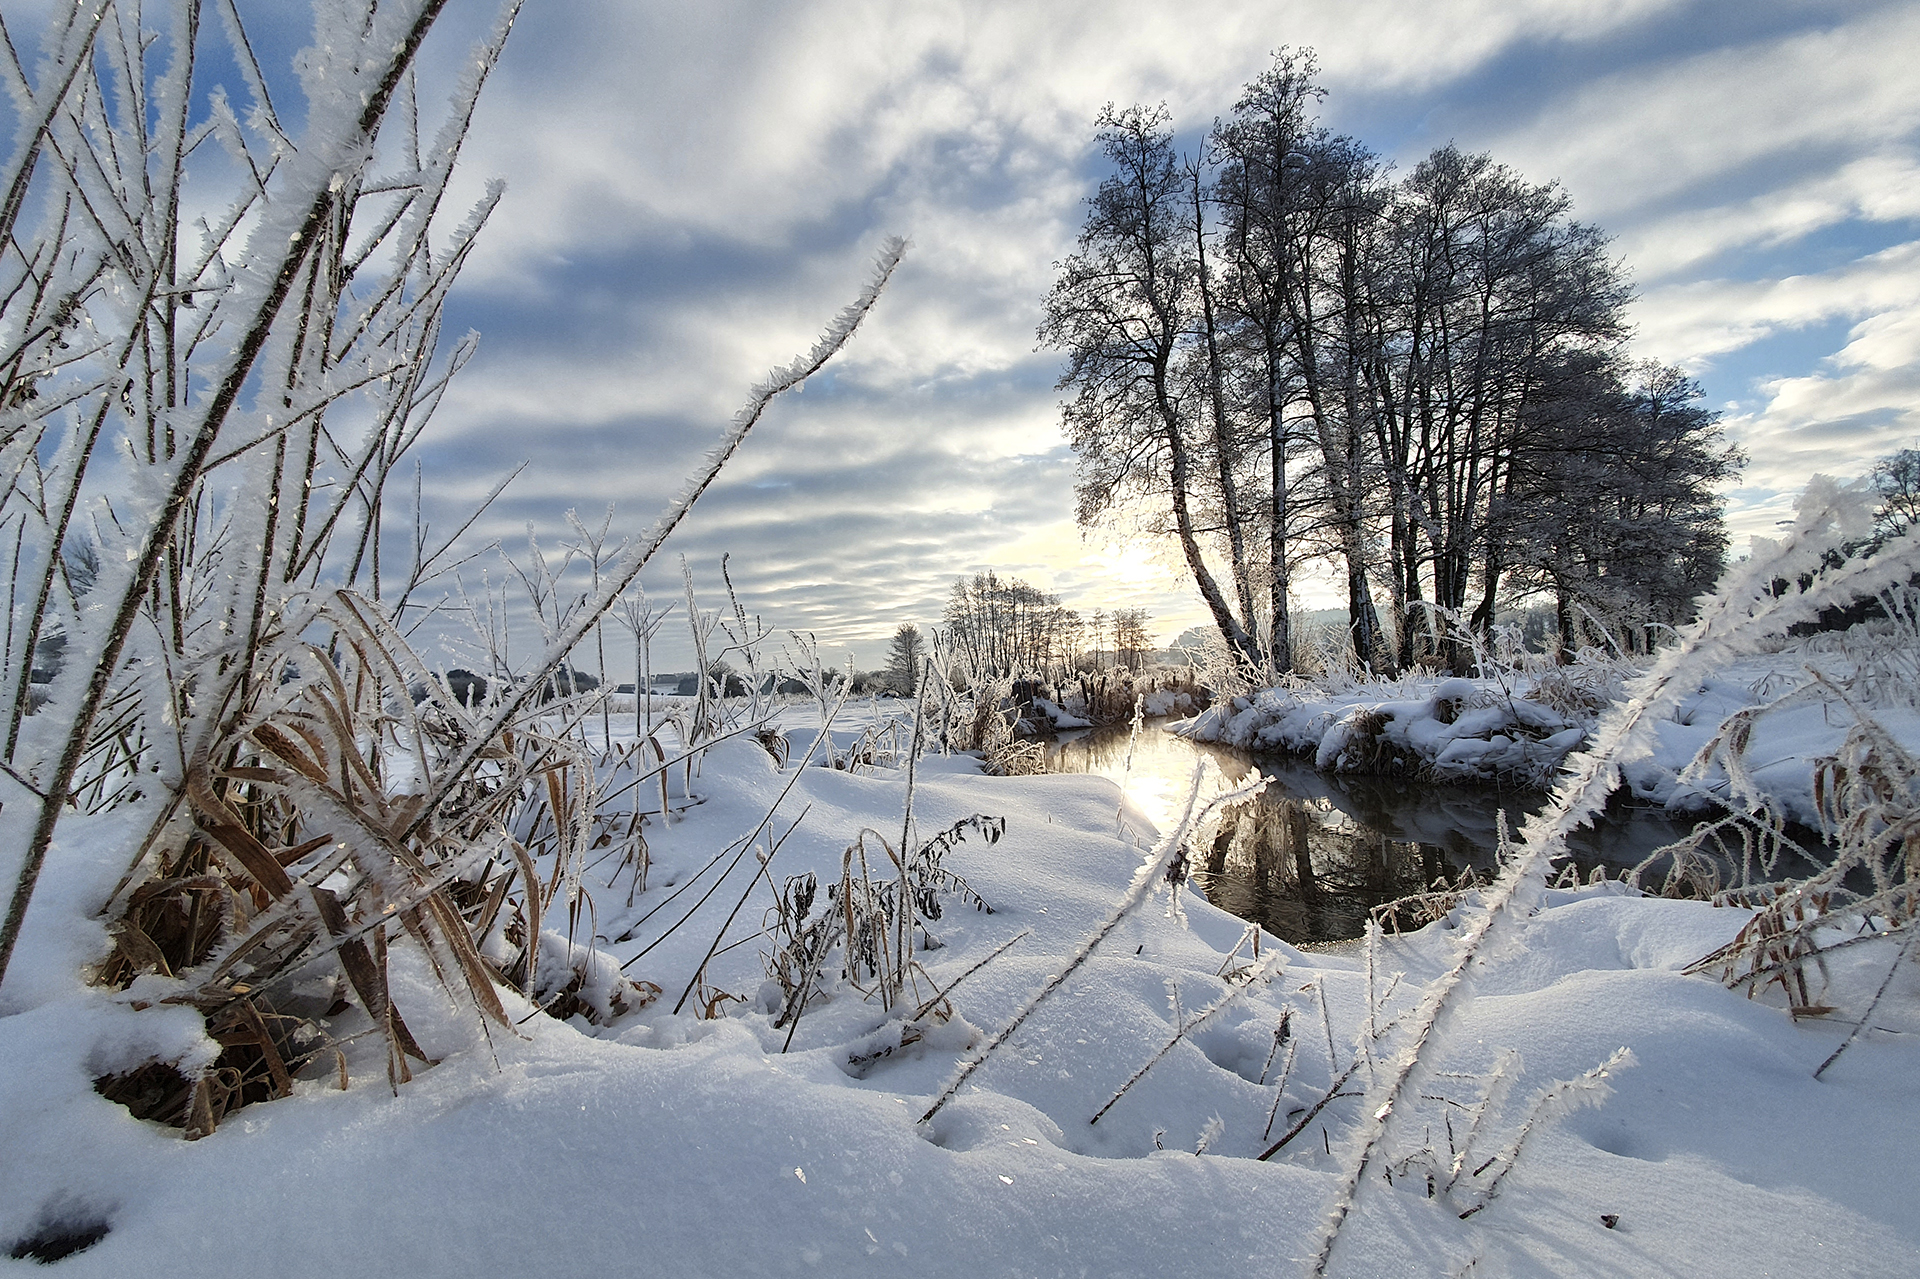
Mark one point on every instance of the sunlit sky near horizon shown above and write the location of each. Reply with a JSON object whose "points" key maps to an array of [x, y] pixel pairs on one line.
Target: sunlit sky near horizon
{"points": [[693, 190]]}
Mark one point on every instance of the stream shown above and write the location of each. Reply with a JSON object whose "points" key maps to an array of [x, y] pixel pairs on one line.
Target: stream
{"points": [[1316, 851]]}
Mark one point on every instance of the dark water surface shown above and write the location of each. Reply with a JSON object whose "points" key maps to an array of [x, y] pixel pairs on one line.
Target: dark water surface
{"points": [[1316, 851]]}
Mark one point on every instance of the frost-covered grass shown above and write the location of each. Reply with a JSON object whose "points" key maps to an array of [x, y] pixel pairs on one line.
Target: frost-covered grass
{"points": [[679, 1144], [308, 965], [1793, 706]]}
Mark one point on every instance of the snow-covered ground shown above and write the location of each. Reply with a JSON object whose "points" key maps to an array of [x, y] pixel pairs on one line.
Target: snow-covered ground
{"points": [[1790, 718], [669, 1144], [1451, 729], [1523, 725]]}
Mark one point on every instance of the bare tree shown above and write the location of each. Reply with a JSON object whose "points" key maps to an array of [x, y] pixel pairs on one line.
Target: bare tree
{"points": [[1896, 477], [1124, 309], [1614, 508], [1004, 626], [1310, 353], [1494, 289], [1258, 193], [1131, 641]]}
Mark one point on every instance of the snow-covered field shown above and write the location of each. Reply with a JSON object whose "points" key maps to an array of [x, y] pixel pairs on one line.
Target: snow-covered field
{"points": [[1102, 1075], [674, 1145]]}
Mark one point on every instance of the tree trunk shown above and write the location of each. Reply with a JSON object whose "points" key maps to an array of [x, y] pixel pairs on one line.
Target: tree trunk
{"points": [[1280, 624], [1222, 443], [1180, 478]]}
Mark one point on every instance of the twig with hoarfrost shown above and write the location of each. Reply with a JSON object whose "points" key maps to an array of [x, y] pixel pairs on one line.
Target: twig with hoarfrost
{"points": [[643, 549], [760, 867], [1300, 1125], [943, 992], [1266, 971], [1589, 1089], [1163, 859], [1493, 1097], [314, 187], [1873, 1006], [1744, 609]]}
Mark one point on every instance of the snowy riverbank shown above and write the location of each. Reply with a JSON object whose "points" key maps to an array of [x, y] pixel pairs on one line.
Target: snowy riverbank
{"points": [[1781, 716], [1083, 1081]]}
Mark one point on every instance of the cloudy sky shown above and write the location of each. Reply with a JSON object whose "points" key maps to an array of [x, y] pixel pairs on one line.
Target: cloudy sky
{"points": [[693, 189]]}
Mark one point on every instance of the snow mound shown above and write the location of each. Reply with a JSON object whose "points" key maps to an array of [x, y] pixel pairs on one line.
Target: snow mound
{"points": [[1453, 729]]}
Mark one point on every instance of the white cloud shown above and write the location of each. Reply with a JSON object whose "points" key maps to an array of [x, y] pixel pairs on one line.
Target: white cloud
{"points": [[1862, 403], [1693, 322], [694, 189], [1627, 143], [748, 120], [1851, 407], [1883, 187]]}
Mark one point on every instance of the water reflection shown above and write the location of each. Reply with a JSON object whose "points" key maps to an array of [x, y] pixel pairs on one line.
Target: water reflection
{"points": [[1316, 851]]}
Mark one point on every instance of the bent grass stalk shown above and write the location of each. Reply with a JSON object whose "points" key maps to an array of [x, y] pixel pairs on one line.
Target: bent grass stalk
{"points": [[1744, 609], [824, 735], [622, 574], [1163, 858], [1266, 971]]}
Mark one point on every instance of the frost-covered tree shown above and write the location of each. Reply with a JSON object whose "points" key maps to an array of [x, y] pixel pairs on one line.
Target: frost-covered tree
{"points": [[1124, 309], [905, 652], [1613, 506], [1306, 355], [1131, 642], [1896, 478], [1004, 626], [1492, 291], [1260, 193]]}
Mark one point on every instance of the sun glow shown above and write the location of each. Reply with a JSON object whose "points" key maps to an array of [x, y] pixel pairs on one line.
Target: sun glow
{"points": [[1118, 574], [1132, 565]]}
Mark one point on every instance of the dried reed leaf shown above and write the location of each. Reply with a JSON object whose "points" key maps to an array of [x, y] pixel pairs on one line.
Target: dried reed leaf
{"points": [[201, 1120], [283, 747], [297, 935], [402, 812], [315, 742], [531, 906], [288, 856], [244, 773], [369, 979], [490, 910], [224, 826], [244, 1011], [138, 949], [478, 976]]}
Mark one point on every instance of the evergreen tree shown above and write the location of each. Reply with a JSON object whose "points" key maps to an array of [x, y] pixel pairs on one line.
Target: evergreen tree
{"points": [[904, 654]]}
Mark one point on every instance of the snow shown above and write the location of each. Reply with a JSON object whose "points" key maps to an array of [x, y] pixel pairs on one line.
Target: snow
{"points": [[1452, 729], [1791, 729], [674, 1145], [1166, 701], [1060, 719]]}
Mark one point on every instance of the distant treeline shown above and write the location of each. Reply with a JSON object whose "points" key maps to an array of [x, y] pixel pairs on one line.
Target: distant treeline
{"points": [[1004, 626]]}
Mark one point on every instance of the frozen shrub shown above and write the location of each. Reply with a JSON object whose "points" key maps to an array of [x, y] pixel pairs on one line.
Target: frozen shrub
{"points": [[216, 411]]}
